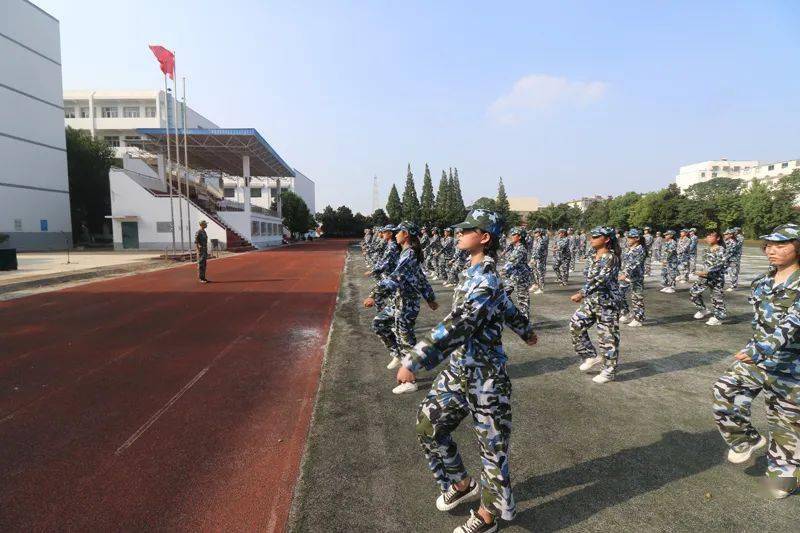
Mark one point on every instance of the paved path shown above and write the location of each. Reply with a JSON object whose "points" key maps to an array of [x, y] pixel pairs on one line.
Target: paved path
{"points": [[641, 454], [154, 402]]}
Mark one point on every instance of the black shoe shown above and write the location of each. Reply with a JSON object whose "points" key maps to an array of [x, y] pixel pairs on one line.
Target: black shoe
{"points": [[475, 524], [453, 497]]}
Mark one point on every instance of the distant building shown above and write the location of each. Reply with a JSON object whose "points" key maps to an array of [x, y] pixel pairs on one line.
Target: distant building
{"points": [[34, 188], [747, 171], [523, 204], [585, 202]]}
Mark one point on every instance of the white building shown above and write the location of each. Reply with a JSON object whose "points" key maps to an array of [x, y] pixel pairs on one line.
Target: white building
{"points": [[747, 171], [34, 189], [586, 201], [524, 205]]}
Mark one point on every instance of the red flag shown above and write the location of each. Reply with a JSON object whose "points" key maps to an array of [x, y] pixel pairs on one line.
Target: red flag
{"points": [[166, 59]]}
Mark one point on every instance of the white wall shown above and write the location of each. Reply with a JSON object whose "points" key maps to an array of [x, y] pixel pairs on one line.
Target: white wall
{"points": [[305, 189], [239, 221], [33, 179]]}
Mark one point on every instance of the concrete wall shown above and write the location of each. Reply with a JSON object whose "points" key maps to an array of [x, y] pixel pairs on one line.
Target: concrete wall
{"points": [[305, 189], [239, 221], [34, 190]]}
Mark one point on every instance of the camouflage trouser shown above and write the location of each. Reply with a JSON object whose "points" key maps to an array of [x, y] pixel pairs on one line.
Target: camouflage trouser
{"points": [[607, 320], [453, 272], [202, 261], [648, 260], [539, 269], [693, 261], [733, 272], [572, 258], [444, 261], [683, 265], [484, 393], [715, 286], [657, 254], [522, 285], [561, 268], [394, 324], [668, 273], [634, 288], [733, 396]]}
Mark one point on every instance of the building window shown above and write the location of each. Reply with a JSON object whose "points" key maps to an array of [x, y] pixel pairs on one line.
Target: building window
{"points": [[84, 112], [771, 167], [784, 165], [715, 167], [130, 112], [229, 192], [726, 168], [150, 111], [702, 175], [69, 112], [263, 228], [112, 140], [255, 192], [164, 227], [713, 174], [17, 224], [254, 227], [736, 169], [108, 112]]}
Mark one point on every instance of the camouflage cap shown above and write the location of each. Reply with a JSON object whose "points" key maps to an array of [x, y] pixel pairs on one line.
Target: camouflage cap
{"points": [[602, 231], [517, 230], [484, 220], [783, 233], [409, 227], [389, 227], [729, 231], [647, 228], [633, 232], [669, 232], [561, 230]]}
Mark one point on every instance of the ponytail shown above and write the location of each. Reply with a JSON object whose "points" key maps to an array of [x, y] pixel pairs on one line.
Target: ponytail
{"points": [[417, 247]]}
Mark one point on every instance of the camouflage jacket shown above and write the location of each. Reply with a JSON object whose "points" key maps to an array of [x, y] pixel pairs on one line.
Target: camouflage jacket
{"points": [[434, 245], [561, 248], [539, 248], [388, 260], [733, 249], [447, 247], [516, 265], [683, 245], [407, 279], [715, 261], [376, 248], [775, 345], [648, 242], [670, 250], [424, 240], [471, 335], [657, 242], [693, 244], [602, 280], [633, 262]]}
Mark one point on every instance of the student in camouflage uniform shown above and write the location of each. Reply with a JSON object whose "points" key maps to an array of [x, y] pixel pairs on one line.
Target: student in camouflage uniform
{"points": [[693, 240], [365, 242], [517, 271], [201, 245], [631, 279], [541, 245], [445, 255], [474, 382], [573, 248], [648, 245], [669, 271], [658, 241], [376, 248], [432, 251], [561, 257], [403, 287], [711, 278], [600, 302], [770, 363], [582, 245], [684, 242], [457, 265], [386, 264], [733, 249]]}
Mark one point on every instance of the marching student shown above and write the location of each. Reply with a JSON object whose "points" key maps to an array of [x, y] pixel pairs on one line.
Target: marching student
{"points": [[599, 304], [444, 255], [711, 278], [541, 244], [733, 249], [474, 382], [394, 324], [561, 257], [648, 245], [684, 242], [631, 279], [669, 271], [517, 271], [430, 254], [388, 260], [693, 240], [658, 240], [769, 363]]}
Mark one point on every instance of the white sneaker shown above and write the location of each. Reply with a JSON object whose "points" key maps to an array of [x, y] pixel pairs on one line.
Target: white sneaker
{"points": [[634, 324], [603, 377], [452, 498], [743, 452], [668, 290], [729, 289], [713, 321], [538, 291], [782, 487], [403, 388], [624, 319], [394, 363], [702, 313], [590, 362]]}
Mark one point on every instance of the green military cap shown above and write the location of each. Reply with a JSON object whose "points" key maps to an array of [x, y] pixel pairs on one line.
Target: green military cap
{"points": [[409, 227], [602, 231], [633, 232], [484, 220], [517, 230], [203, 223], [783, 233], [669, 232]]}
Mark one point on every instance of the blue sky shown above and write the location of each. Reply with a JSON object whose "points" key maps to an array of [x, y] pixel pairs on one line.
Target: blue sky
{"points": [[561, 99]]}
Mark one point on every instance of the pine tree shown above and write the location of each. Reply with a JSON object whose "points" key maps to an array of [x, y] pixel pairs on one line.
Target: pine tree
{"points": [[503, 207], [457, 209], [394, 207], [410, 200], [443, 200], [427, 208]]}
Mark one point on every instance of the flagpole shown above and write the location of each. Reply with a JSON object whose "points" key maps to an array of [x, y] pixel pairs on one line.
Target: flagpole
{"points": [[169, 165], [177, 142], [186, 172]]}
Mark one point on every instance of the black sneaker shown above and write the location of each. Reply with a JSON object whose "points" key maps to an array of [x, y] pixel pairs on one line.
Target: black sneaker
{"points": [[451, 498], [475, 524]]}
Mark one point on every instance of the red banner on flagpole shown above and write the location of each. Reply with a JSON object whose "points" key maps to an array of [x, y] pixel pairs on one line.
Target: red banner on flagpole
{"points": [[166, 59]]}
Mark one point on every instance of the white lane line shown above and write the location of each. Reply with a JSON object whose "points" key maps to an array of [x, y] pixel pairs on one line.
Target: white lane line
{"points": [[139, 432]]}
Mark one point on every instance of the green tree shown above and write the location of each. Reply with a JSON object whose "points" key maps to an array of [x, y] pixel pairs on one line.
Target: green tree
{"points": [[443, 200], [410, 201], [394, 207], [378, 218], [619, 210], [457, 211], [484, 203], [88, 163], [427, 208], [295, 212], [503, 206]]}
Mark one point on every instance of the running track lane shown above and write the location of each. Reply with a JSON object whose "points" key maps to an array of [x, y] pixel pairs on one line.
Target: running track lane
{"points": [[155, 402]]}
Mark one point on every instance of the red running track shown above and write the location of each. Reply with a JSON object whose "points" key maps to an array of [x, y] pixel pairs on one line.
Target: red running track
{"points": [[156, 402]]}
